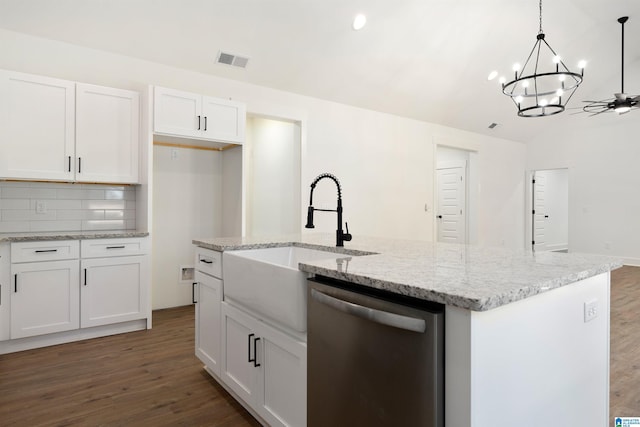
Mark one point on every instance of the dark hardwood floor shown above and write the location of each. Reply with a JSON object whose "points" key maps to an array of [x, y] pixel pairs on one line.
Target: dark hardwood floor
{"points": [[146, 378], [152, 378]]}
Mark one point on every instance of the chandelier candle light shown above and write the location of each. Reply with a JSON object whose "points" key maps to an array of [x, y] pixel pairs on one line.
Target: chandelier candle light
{"points": [[539, 93]]}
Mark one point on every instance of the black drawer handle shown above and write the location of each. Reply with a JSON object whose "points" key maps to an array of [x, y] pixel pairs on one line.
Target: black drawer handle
{"points": [[41, 251], [69, 164], [115, 247], [15, 284], [85, 277], [79, 164], [206, 261], [255, 352], [249, 347], [198, 122], [193, 292], [205, 123]]}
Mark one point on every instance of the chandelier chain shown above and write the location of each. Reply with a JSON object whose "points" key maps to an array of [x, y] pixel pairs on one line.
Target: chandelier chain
{"points": [[540, 32]]}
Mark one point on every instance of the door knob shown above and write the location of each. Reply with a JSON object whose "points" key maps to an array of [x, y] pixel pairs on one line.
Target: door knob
{"points": [[439, 216]]}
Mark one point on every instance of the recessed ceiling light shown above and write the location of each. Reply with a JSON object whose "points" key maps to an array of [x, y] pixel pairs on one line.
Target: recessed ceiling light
{"points": [[359, 22]]}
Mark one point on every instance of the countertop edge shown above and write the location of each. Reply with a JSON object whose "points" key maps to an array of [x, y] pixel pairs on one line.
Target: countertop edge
{"points": [[70, 235]]}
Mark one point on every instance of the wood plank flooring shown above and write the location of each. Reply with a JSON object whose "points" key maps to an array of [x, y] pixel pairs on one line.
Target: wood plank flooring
{"points": [[145, 378], [624, 397], [153, 377]]}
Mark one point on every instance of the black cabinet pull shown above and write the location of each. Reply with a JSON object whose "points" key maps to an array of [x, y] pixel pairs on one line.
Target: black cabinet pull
{"points": [[115, 247], [439, 216], [205, 123], [193, 292], [69, 164], [15, 283], [40, 251], [249, 348], [79, 164], [85, 277], [255, 352], [206, 261], [198, 122]]}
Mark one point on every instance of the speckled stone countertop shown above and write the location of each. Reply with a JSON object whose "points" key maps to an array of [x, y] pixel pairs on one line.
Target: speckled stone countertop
{"points": [[471, 277], [70, 235]]}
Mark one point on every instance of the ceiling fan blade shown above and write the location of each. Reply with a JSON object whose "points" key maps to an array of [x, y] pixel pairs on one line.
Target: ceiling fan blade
{"points": [[599, 112], [637, 98]]}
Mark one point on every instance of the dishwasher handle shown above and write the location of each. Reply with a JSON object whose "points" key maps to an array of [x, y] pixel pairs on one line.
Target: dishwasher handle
{"points": [[382, 317]]}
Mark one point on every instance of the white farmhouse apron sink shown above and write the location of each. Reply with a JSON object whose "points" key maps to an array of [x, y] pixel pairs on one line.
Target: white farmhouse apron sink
{"points": [[268, 282]]}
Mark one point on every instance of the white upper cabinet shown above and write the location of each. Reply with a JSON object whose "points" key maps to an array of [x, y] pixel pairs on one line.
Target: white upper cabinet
{"points": [[58, 130], [107, 134], [36, 127], [189, 115]]}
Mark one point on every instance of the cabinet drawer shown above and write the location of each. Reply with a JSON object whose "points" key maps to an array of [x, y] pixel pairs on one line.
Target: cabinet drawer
{"points": [[44, 251], [101, 248], [209, 262]]}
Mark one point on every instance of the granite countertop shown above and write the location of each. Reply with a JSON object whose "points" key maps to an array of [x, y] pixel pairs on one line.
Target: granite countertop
{"points": [[471, 277], [70, 235]]}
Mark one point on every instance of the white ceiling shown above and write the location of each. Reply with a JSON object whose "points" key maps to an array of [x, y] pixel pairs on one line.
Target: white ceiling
{"points": [[424, 59]]}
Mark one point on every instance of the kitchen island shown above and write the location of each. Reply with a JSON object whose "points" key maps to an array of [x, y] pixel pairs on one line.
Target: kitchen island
{"points": [[526, 334]]}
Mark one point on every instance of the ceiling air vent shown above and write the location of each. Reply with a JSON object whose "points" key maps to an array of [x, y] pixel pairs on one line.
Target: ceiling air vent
{"points": [[232, 59]]}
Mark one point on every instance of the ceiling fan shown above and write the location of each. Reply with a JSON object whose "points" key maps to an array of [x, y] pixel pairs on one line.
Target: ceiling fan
{"points": [[622, 103]]}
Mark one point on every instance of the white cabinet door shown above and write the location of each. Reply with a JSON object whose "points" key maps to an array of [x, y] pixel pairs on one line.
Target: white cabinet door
{"points": [[113, 290], [107, 134], [44, 298], [5, 295], [284, 360], [177, 113], [264, 367], [240, 368], [208, 300], [224, 120], [37, 131], [190, 115]]}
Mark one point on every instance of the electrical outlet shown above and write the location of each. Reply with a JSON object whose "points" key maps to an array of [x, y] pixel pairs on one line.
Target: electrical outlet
{"points": [[41, 207], [590, 310]]}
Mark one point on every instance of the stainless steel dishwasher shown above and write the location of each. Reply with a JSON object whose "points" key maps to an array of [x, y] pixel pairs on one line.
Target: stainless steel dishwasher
{"points": [[373, 358]]}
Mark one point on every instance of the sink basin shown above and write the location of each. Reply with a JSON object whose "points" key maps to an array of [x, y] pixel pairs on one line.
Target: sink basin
{"points": [[268, 282]]}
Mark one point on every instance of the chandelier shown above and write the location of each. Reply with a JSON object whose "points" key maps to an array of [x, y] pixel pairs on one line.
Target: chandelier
{"points": [[544, 85]]}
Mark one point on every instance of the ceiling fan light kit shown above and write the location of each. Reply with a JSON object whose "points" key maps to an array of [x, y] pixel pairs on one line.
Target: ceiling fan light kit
{"points": [[544, 85], [621, 103]]}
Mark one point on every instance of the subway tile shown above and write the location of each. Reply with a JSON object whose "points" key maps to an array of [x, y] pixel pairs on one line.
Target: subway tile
{"points": [[55, 226], [130, 224], [114, 194], [43, 193], [14, 204], [72, 193], [130, 205], [14, 227], [129, 214], [103, 204], [65, 214], [16, 193], [103, 225], [119, 214], [130, 194], [29, 215], [58, 204]]}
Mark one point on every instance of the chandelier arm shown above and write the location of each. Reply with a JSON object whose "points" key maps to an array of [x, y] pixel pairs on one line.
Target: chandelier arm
{"points": [[535, 70], [524, 67]]}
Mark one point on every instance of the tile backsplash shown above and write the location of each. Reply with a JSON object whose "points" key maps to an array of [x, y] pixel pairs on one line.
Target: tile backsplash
{"points": [[49, 206]]}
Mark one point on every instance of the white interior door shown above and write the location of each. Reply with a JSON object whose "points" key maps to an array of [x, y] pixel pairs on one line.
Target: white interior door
{"points": [[451, 211], [539, 211]]}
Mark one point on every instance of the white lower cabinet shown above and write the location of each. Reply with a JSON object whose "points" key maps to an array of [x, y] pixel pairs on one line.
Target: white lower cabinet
{"points": [[265, 367], [113, 290], [45, 298], [207, 297], [5, 295]]}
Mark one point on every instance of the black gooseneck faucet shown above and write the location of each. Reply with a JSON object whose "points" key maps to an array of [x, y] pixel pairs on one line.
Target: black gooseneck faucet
{"points": [[341, 236]]}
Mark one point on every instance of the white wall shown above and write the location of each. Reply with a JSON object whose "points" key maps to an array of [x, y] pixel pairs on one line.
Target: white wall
{"points": [[602, 155], [385, 162], [272, 174]]}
